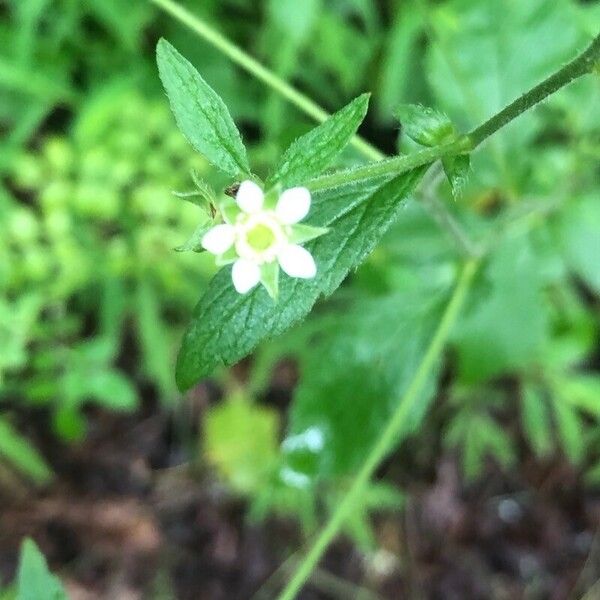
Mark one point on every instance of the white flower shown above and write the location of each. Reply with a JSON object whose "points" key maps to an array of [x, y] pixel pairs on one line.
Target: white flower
{"points": [[262, 233]]}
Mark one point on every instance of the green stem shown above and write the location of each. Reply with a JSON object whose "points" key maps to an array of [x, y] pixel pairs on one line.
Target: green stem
{"points": [[238, 56], [585, 63], [390, 435], [390, 166], [581, 65]]}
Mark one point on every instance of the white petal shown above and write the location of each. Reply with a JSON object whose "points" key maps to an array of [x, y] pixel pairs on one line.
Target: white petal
{"points": [[293, 205], [245, 275], [249, 197], [219, 239], [297, 261]]}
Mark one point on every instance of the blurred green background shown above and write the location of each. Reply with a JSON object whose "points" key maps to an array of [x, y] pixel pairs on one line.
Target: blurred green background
{"points": [[94, 299]]}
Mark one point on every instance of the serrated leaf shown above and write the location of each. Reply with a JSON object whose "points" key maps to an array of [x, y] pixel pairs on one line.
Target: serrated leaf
{"points": [[34, 580], [226, 326], [21, 454], [312, 153], [457, 171], [200, 113], [424, 125]]}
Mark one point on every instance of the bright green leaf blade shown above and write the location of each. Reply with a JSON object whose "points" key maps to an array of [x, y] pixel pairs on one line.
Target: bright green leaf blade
{"points": [[312, 153], [506, 326], [200, 113], [353, 374], [227, 326], [21, 454], [34, 580]]}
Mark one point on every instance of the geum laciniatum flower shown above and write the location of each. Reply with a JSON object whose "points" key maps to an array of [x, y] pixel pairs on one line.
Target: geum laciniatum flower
{"points": [[261, 233]]}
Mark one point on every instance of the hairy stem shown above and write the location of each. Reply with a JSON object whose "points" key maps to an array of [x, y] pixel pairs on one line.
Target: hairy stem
{"points": [[585, 63], [389, 436], [581, 65], [246, 62]]}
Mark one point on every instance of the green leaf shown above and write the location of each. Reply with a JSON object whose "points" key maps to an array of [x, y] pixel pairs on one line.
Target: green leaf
{"points": [[570, 430], [535, 418], [424, 125], [112, 390], [20, 453], [227, 326], [312, 153], [578, 229], [240, 439], [200, 113], [581, 391], [354, 369], [506, 325], [34, 580]]}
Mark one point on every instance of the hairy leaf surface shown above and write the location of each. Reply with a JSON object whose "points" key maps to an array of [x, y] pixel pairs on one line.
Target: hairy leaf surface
{"points": [[312, 153], [200, 113], [227, 326]]}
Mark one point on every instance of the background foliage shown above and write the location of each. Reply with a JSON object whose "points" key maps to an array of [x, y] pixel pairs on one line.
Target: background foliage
{"points": [[94, 301]]}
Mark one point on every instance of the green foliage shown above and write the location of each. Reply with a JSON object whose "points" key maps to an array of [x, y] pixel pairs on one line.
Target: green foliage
{"points": [[77, 254], [93, 301], [355, 368], [201, 114], [240, 439], [226, 326], [18, 452], [507, 324], [34, 580], [312, 153]]}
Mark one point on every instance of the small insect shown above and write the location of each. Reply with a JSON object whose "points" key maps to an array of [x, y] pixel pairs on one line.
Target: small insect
{"points": [[232, 190]]}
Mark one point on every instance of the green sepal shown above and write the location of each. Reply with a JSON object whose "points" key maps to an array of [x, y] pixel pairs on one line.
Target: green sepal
{"points": [[425, 125], [272, 197], [269, 277], [457, 171], [228, 257], [203, 196], [194, 243], [300, 233], [229, 210]]}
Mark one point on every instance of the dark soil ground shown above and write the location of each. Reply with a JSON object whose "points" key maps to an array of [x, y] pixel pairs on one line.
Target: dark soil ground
{"points": [[128, 518]]}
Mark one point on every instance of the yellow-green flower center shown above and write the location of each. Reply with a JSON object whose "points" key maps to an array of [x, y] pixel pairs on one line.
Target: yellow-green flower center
{"points": [[260, 237]]}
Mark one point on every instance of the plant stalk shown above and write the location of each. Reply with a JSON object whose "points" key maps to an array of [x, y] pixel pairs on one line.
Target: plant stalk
{"points": [[390, 435]]}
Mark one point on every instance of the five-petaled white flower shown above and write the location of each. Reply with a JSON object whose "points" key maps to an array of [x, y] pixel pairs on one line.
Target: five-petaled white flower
{"points": [[261, 233]]}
